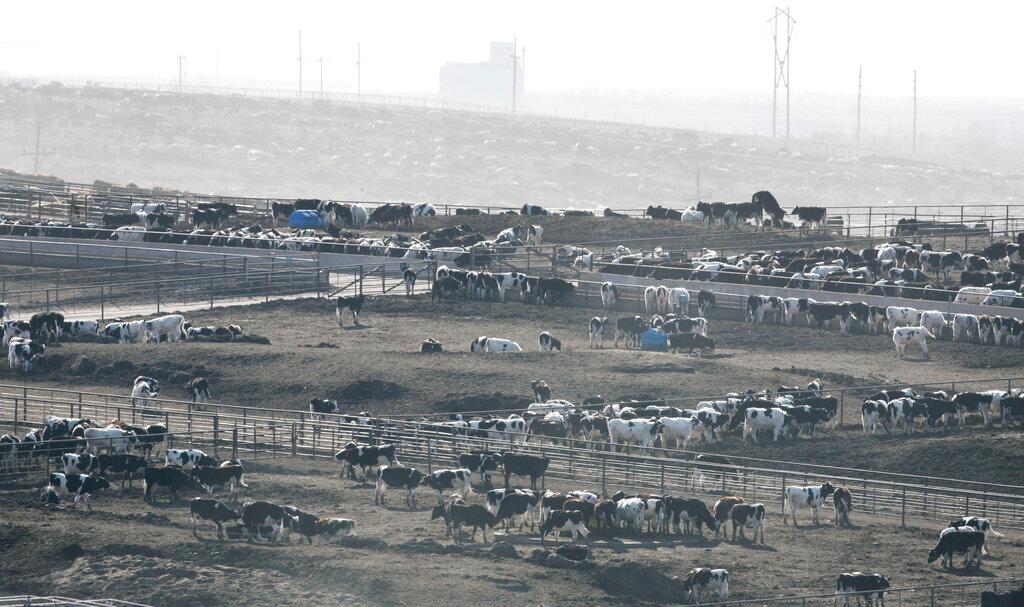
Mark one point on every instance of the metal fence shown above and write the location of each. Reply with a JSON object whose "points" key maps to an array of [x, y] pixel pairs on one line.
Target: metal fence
{"points": [[959, 594], [60, 601], [268, 433]]}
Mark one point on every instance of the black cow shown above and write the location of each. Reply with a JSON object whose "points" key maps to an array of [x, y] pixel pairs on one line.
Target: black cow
{"points": [[660, 212], [354, 304], [524, 465], [811, 215], [692, 512], [629, 329], [120, 463], [956, 541], [1013, 598], [706, 303], [218, 513], [259, 514], [198, 388], [690, 342], [475, 516], [869, 585], [769, 206], [171, 477], [480, 462], [227, 474], [118, 220], [46, 326], [552, 290]]}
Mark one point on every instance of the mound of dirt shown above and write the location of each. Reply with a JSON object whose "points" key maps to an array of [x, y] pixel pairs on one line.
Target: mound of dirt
{"points": [[71, 551], [371, 389], [480, 402], [84, 365], [643, 581]]}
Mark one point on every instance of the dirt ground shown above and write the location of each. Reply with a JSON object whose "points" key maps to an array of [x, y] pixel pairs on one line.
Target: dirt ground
{"points": [[377, 368], [127, 549]]}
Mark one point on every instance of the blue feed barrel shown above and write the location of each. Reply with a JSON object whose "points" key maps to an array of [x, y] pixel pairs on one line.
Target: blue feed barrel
{"points": [[305, 219], [653, 339]]}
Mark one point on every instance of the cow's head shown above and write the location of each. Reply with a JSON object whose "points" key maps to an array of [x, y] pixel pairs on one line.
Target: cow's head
{"points": [[827, 489], [657, 427], [101, 483]]}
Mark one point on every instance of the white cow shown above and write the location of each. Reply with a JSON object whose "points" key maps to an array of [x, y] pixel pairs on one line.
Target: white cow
{"points": [[897, 316], [114, 439], [598, 331], [493, 344], [934, 320], [679, 431], [129, 234], [702, 583], [664, 303], [972, 295], [12, 330], [144, 389], [77, 328], [534, 235], [1000, 297], [651, 300], [965, 325], [609, 295], [773, 419], [639, 431], [812, 497], [692, 216], [170, 326], [902, 336], [680, 300], [790, 306], [509, 280], [133, 332], [629, 514]]}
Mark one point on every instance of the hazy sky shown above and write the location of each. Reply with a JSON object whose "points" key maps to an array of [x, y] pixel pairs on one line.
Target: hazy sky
{"points": [[959, 49]]}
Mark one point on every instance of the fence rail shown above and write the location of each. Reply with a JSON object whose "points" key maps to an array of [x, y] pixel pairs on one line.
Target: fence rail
{"points": [[959, 594], [60, 601], [275, 432]]}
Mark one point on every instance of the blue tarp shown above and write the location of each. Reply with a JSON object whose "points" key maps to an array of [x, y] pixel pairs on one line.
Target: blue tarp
{"points": [[653, 339], [305, 219]]}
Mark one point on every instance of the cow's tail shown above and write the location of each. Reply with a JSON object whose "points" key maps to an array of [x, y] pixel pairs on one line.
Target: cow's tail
{"points": [[146, 488], [928, 332], [241, 482], [995, 533]]}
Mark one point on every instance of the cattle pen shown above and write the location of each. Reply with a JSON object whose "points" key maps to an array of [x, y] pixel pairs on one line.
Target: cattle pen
{"points": [[261, 433]]}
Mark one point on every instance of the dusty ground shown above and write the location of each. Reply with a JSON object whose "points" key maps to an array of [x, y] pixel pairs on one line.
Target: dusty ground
{"points": [[128, 549], [378, 368]]}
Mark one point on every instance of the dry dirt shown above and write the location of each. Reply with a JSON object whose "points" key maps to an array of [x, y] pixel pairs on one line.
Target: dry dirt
{"points": [[125, 548]]}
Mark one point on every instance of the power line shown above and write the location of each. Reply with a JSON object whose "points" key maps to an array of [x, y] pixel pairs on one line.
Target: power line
{"points": [[39, 153], [780, 63]]}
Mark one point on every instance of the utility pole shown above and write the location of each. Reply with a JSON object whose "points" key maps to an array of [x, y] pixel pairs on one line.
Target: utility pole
{"points": [[780, 62], [321, 77], [39, 153], [180, 59], [860, 74], [300, 64], [359, 71], [515, 72], [913, 135]]}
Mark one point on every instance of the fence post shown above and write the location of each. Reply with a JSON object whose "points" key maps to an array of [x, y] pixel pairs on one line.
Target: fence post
{"points": [[211, 293], [216, 431], [234, 442], [933, 597], [903, 509], [295, 439], [604, 467], [360, 292], [430, 456], [383, 286], [158, 298], [663, 478], [266, 288], [16, 417], [102, 317]]}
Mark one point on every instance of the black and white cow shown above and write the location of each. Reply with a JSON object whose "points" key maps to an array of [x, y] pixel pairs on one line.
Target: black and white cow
{"points": [[843, 502], [978, 523], [871, 586], [453, 480], [398, 477], [367, 456], [548, 342], [260, 513], [171, 477], [609, 295], [187, 458], [690, 342], [558, 521], [812, 497], [409, 278], [228, 474], [748, 516], [599, 330], [218, 513], [79, 485], [702, 582], [706, 303], [353, 304], [199, 389], [483, 463], [541, 391], [811, 216], [46, 326]]}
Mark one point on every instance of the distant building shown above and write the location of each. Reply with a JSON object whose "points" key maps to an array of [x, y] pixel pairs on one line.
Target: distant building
{"points": [[486, 83]]}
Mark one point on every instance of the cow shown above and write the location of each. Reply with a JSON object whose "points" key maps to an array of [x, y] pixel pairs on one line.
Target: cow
{"points": [[971, 295], [842, 500], [458, 513], [80, 328], [199, 389], [409, 278], [143, 390], [977, 523], [115, 440], [609, 295], [811, 216], [748, 516], [900, 317], [965, 326], [599, 328], [353, 304], [228, 474], [522, 464], [397, 477], [529, 210], [552, 290], [481, 462], [171, 477], [953, 540], [79, 485], [978, 402], [366, 456], [133, 332], [187, 458], [629, 512], [23, 352], [455, 480], [679, 431], [706, 303], [642, 432], [511, 504], [541, 391], [485, 344], [911, 335], [873, 415], [812, 497], [218, 513], [564, 520], [691, 512], [933, 320], [124, 464], [548, 342], [333, 529], [260, 513], [651, 300], [16, 328], [871, 586], [701, 583], [170, 326], [755, 419], [629, 329]]}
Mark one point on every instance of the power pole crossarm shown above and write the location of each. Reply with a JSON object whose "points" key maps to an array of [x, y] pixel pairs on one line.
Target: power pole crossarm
{"points": [[780, 61]]}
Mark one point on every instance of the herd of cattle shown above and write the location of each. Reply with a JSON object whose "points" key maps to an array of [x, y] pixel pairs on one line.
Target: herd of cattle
{"points": [[88, 454]]}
